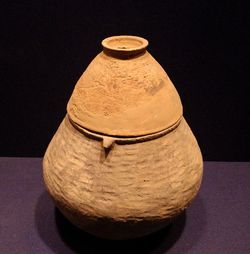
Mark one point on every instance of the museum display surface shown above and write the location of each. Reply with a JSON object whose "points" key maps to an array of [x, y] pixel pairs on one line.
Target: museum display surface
{"points": [[217, 221]]}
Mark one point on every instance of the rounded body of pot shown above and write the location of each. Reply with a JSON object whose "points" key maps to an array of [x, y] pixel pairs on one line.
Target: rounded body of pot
{"points": [[127, 191]]}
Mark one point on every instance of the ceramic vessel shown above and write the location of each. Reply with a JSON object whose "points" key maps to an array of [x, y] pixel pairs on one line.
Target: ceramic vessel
{"points": [[123, 162]]}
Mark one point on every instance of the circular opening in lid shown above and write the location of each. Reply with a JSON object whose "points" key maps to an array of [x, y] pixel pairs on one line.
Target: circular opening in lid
{"points": [[124, 45]]}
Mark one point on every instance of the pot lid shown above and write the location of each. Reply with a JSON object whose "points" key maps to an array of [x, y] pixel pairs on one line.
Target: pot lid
{"points": [[124, 92]]}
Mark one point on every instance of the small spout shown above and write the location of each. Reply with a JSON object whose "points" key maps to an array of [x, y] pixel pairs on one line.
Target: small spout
{"points": [[107, 145], [107, 142]]}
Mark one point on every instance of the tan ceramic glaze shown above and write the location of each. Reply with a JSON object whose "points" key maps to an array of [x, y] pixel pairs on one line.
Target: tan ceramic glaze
{"points": [[123, 162]]}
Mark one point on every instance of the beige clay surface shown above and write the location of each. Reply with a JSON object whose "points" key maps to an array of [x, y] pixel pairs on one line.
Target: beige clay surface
{"points": [[148, 181], [123, 162], [125, 97]]}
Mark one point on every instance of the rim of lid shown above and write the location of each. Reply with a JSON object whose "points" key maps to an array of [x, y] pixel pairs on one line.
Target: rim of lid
{"points": [[124, 43]]}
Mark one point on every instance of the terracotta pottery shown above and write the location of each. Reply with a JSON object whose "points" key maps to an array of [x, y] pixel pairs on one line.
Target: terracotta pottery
{"points": [[123, 162]]}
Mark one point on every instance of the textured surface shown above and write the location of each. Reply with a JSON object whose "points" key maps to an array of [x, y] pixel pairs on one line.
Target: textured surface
{"points": [[152, 180], [125, 97], [216, 222]]}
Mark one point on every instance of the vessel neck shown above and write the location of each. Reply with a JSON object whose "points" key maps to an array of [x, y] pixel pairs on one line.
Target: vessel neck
{"points": [[124, 46]]}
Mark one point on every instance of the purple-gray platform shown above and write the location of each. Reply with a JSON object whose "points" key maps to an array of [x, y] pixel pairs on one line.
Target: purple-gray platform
{"points": [[218, 221]]}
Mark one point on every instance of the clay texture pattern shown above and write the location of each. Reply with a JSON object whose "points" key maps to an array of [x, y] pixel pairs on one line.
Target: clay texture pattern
{"points": [[152, 181]]}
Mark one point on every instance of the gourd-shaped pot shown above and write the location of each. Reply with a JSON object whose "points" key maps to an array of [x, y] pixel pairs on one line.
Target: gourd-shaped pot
{"points": [[123, 162]]}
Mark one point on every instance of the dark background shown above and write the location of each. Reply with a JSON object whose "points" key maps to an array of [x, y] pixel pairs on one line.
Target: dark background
{"points": [[203, 45]]}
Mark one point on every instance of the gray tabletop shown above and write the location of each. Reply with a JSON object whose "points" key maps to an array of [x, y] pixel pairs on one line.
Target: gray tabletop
{"points": [[218, 221]]}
